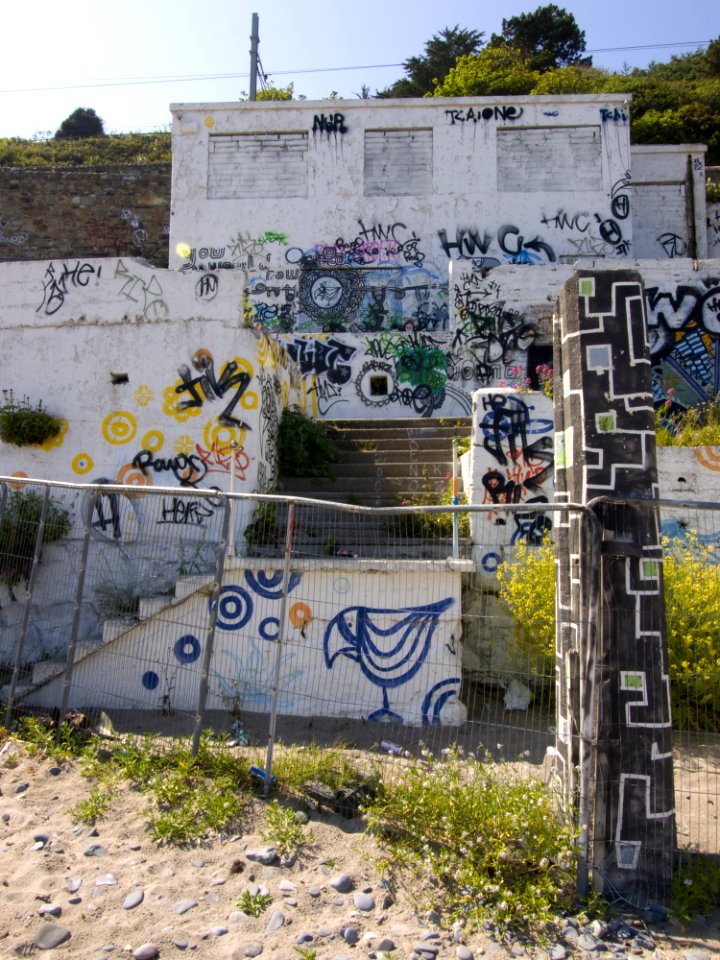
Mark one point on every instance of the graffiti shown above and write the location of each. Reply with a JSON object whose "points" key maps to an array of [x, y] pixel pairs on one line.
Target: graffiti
{"points": [[485, 113], [615, 115], [713, 224], [324, 358], [207, 386], [183, 512], [563, 221], [515, 248], [376, 244], [220, 460], [195, 259], [672, 244], [207, 287], [111, 516], [332, 123], [57, 285], [148, 294], [378, 385], [10, 239], [524, 466], [187, 468], [389, 645]]}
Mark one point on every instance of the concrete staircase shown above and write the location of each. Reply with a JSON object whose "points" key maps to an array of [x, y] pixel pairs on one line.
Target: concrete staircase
{"points": [[381, 463]]}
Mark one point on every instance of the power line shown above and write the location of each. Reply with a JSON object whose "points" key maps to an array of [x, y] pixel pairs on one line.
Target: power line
{"points": [[201, 78]]}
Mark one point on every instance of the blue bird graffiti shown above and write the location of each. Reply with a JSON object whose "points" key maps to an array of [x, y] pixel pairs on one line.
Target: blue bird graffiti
{"points": [[387, 655]]}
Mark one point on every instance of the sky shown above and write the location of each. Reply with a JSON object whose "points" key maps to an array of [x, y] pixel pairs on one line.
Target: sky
{"points": [[129, 61]]}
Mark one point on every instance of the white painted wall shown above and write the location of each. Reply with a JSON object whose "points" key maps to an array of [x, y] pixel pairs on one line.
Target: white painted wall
{"points": [[104, 344], [377, 641]]}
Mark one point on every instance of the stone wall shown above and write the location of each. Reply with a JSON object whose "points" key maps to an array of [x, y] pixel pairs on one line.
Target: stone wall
{"points": [[59, 212]]}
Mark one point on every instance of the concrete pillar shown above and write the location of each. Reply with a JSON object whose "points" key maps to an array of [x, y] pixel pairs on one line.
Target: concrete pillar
{"points": [[614, 727]]}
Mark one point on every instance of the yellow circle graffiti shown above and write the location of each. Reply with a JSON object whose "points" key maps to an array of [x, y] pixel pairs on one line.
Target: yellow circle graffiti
{"points": [[119, 427], [152, 441], [57, 440], [83, 463], [183, 250], [171, 405], [218, 436], [249, 400]]}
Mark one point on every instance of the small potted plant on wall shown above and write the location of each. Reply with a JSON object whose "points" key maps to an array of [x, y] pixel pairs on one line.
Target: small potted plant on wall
{"points": [[25, 424]]}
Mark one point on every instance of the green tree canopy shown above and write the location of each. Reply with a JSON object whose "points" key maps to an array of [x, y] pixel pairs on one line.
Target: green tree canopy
{"points": [[83, 122], [494, 72], [549, 37], [441, 54]]}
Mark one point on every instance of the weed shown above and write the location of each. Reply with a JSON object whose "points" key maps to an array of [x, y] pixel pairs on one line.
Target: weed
{"points": [[695, 887], [96, 806], [306, 953], [253, 904], [428, 525], [296, 765], [18, 532], [42, 739], [263, 530], [24, 424], [698, 426], [117, 599], [491, 843], [284, 831]]}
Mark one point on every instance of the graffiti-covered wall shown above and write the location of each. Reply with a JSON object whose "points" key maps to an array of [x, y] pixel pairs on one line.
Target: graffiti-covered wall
{"points": [[151, 373]]}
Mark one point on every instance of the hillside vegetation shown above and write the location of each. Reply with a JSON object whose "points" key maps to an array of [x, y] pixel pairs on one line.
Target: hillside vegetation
{"points": [[104, 151]]}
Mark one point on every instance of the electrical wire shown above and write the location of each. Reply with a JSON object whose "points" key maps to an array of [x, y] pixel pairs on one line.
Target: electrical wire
{"points": [[200, 78]]}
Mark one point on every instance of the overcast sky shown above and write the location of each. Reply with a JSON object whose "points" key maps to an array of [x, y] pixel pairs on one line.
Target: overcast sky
{"points": [[129, 61]]}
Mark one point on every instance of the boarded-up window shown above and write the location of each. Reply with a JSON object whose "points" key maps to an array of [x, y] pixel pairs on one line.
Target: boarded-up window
{"points": [[398, 163], [549, 159], [246, 165]]}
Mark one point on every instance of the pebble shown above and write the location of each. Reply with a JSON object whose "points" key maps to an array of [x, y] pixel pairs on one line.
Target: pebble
{"points": [[253, 950], [95, 850], [463, 953], [276, 921], [21, 787], [107, 880], [55, 771], [218, 931], [50, 910], [304, 937], [324, 932], [74, 900], [314, 891], [350, 935], [385, 945], [72, 884], [133, 900], [265, 855], [182, 906], [557, 952], [286, 886], [694, 954], [341, 882], [148, 951], [50, 935], [588, 942], [364, 902]]}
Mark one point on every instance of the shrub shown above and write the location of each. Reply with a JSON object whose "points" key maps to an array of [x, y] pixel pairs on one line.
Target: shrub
{"points": [[24, 424], [698, 426], [692, 602], [304, 446], [18, 532], [427, 525], [692, 605], [489, 840], [527, 587]]}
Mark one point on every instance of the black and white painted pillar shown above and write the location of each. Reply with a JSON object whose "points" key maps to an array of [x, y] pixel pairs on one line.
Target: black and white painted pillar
{"points": [[614, 727]]}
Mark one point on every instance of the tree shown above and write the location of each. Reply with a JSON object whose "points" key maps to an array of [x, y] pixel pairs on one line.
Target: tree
{"points": [[441, 54], [83, 122], [548, 38], [494, 72]]}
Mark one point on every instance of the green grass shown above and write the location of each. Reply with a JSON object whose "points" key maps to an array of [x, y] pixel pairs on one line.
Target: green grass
{"points": [[698, 426], [284, 830], [253, 904]]}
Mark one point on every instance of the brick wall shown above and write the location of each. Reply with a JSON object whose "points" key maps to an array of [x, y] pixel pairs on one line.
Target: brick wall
{"points": [[60, 213]]}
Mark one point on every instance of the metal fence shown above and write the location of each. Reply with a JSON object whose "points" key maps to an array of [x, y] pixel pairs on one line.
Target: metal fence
{"points": [[276, 619]]}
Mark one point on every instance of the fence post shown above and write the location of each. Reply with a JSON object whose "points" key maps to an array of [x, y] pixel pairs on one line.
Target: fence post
{"points": [[212, 623], [280, 643], [28, 602], [89, 508]]}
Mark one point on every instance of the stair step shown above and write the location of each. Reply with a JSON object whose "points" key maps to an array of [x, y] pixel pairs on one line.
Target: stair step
{"points": [[149, 606], [45, 669], [114, 627]]}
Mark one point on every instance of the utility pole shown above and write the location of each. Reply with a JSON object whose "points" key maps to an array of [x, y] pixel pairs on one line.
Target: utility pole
{"points": [[254, 41]]}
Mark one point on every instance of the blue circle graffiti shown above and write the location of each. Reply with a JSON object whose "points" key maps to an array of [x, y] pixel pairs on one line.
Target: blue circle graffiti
{"points": [[235, 607], [150, 680], [436, 698], [270, 585], [187, 649], [270, 628], [491, 561]]}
